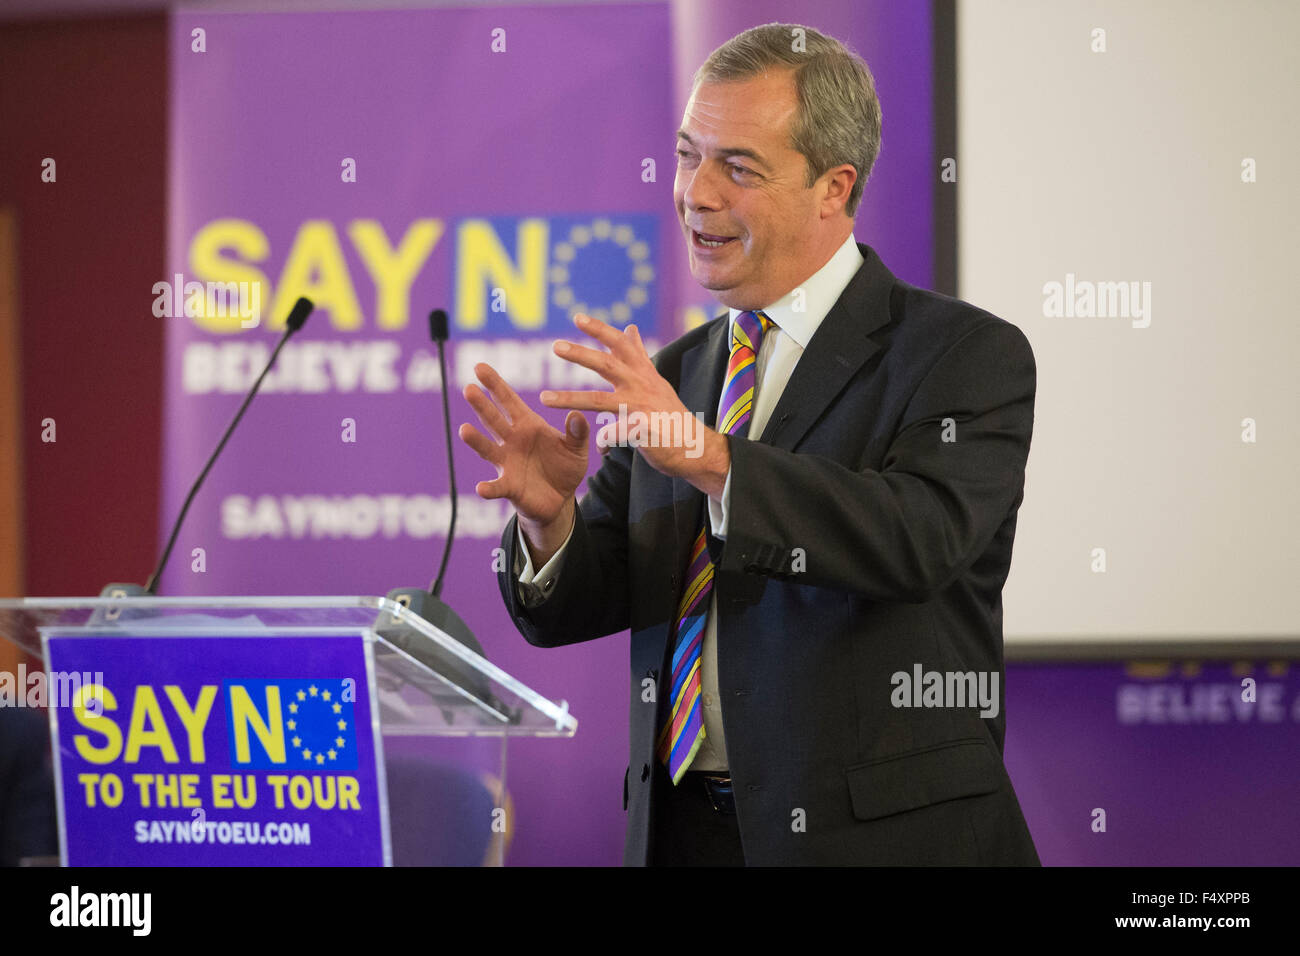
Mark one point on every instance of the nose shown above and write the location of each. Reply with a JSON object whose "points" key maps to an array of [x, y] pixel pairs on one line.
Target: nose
{"points": [[702, 188]]}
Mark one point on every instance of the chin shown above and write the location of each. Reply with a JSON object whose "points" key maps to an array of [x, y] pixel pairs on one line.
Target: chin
{"points": [[706, 277], [718, 286], [726, 294]]}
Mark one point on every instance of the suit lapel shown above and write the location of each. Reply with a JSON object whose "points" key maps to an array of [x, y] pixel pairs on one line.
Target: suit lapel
{"points": [[839, 347]]}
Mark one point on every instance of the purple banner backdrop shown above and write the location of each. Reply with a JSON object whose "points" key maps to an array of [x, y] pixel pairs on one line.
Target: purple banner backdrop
{"points": [[512, 165], [1182, 764], [218, 751]]}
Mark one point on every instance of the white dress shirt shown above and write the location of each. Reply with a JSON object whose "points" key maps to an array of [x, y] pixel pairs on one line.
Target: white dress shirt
{"points": [[778, 353]]}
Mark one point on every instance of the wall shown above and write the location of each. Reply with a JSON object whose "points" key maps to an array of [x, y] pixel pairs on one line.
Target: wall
{"points": [[89, 93]]}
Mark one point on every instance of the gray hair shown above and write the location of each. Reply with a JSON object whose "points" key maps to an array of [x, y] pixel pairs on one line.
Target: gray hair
{"points": [[838, 120]]}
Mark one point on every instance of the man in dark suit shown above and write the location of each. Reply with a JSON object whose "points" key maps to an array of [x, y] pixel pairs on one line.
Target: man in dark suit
{"points": [[837, 529]]}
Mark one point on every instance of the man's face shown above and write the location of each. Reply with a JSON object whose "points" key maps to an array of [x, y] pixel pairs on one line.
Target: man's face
{"points": [[740, 181]]}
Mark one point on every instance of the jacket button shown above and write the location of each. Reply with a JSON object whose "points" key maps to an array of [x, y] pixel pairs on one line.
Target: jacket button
{"points": [[645, 772]]}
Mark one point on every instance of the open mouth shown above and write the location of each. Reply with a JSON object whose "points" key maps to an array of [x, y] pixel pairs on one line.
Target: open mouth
{"points": [[704, 240]]}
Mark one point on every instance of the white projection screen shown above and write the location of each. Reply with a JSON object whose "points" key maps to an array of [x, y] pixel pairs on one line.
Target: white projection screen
{"points": [[1130, 165]]}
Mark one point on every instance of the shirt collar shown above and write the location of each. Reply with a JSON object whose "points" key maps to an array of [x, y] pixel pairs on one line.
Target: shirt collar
{"points": [[820, 293]]}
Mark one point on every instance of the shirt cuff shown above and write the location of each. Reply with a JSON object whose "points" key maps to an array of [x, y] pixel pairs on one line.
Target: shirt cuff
{"points": [[718, 510], [536, 586]]}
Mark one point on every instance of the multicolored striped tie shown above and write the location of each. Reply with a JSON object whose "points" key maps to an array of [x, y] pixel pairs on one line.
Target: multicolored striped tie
{"points": [[682, 734]]}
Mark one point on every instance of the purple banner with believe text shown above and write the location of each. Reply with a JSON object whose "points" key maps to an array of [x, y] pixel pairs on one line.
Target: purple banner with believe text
{"points": [[1157, 763]]}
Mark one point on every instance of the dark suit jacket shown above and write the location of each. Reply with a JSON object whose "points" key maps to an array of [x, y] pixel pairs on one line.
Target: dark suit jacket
{"points": [[906, 542]]}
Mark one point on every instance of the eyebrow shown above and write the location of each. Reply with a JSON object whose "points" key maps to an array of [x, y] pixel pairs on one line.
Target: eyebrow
{"points": [[731, 151]]}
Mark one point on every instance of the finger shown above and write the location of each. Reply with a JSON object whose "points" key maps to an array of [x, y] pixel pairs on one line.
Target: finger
{"points": [[488, 413], [633, 333], [602, 363], [483, 446], [510, 403], [489, 490], [575, 429], [585, 401], [604, 333]]}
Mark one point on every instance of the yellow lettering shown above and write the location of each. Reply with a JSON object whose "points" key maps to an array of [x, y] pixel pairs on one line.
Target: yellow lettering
{"points": [[143, 781], [145, 708], [483, 264], [278, 782], [190, 790], [97, 722], [207, 264], [244, 714], [89, 781], [349, 788], [393, 272], [316, 268], [194, 719]]}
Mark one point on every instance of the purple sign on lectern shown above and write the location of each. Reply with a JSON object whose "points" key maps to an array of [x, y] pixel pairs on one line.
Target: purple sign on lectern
{"points": [[218, 751]]}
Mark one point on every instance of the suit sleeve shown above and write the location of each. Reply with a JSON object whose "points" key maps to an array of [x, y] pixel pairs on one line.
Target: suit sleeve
{"points": [[904, 532], [590, 596]]}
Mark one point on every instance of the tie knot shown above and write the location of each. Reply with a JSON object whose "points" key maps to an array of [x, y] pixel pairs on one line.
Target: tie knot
{"points": [[748, 330]]}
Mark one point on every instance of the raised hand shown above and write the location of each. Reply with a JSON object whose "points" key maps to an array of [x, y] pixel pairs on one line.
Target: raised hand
{"points": [[643, 406], [538, 467]]}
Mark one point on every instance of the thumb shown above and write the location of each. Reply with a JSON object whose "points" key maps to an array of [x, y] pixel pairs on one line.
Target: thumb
{"points": [[575, 430]]}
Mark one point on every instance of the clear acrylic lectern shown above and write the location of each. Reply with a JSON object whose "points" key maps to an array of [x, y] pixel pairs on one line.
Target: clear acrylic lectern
{"points": [[139, 750]]}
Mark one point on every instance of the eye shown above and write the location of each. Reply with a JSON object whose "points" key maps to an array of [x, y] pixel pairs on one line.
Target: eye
{"points": [[743, 170]]}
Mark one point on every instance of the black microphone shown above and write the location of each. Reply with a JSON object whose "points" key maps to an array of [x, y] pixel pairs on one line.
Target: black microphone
{"points": [[297, 316], [429, 604], [438, 327], [438, 332]]}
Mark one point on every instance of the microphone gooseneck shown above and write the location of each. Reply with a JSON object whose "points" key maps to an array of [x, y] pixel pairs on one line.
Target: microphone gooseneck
{"points": [[438, 332], [297, 316]]}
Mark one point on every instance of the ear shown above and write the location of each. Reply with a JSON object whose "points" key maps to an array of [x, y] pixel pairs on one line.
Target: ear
{"points": [[835, 185]]}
